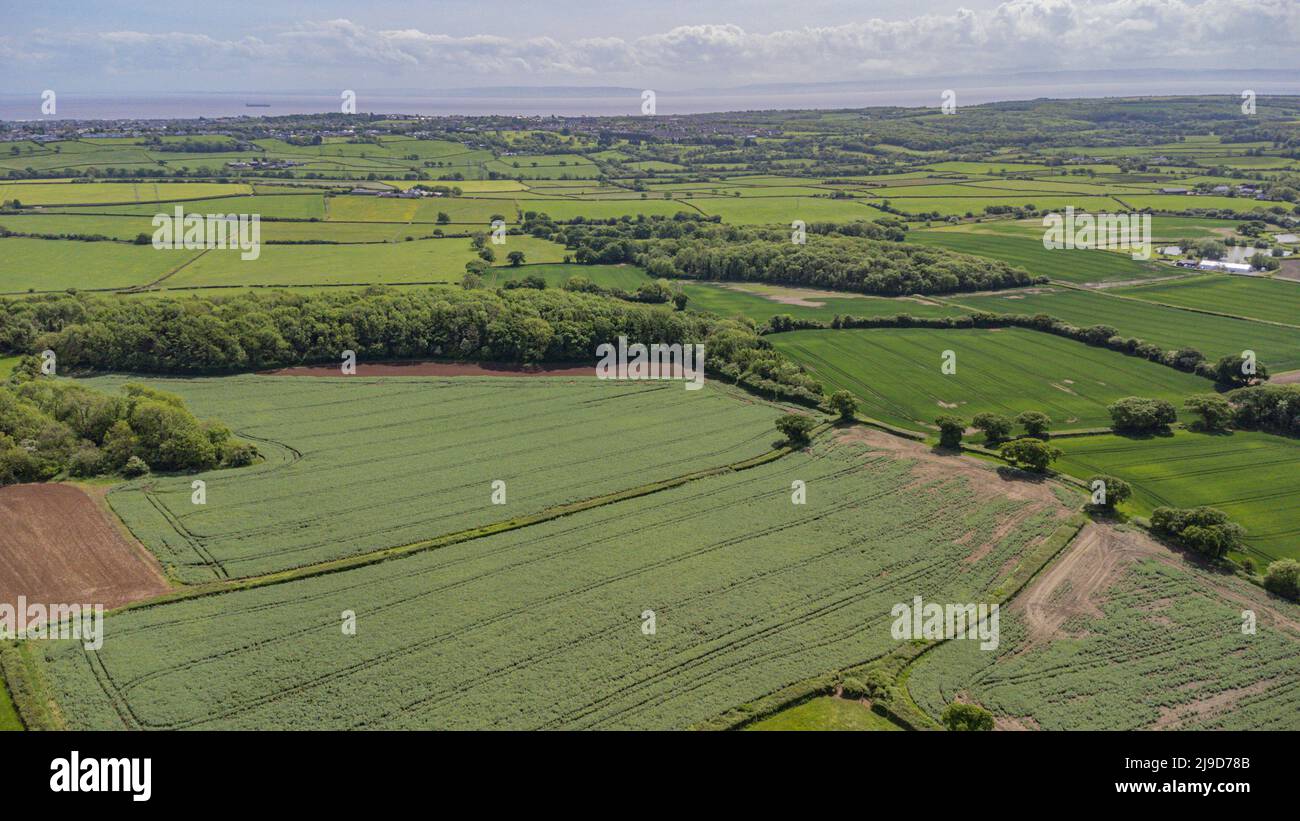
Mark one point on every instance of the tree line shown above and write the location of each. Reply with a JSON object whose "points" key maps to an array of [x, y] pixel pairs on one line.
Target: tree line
{"points": [[273, 328]]}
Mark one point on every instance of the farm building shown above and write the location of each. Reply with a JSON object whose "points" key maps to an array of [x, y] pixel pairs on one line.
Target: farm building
{"points": [[1229, 267]]}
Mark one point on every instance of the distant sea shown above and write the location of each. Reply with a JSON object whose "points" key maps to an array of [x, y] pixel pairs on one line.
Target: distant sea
{"points": [[600, 102]]}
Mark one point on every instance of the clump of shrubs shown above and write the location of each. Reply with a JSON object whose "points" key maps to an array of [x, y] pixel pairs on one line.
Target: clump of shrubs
{"points": [[52, 427], [1205, 530]]}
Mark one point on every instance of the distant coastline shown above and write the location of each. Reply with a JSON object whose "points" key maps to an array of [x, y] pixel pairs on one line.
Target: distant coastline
{"points": [[606, 101]]}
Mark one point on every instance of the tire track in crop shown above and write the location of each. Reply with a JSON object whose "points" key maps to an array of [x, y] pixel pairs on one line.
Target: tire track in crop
{"points": [[433, 640]]}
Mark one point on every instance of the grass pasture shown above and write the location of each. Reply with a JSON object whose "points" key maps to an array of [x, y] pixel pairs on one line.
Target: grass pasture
{"points": [[1170, 328], [50, 265], [1067, 265], [896, 373], [422, 261], [1250, 476], [826, 713], [1272, 300]]}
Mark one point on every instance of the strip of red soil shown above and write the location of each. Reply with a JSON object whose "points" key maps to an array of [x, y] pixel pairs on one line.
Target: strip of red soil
{"points": [[439, 369], [59, 546]]}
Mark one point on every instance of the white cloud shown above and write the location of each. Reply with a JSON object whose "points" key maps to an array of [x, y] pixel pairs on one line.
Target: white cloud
{"points": [[1016, 35]]}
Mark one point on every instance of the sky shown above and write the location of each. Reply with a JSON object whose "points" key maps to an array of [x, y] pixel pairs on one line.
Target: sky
{"points": [[131, 46]]}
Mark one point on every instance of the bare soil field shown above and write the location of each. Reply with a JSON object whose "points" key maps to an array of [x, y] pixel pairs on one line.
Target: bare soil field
{"points": [[58, 545]]}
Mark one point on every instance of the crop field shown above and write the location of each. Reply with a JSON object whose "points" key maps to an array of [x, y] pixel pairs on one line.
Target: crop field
{"points": [[1170, 328], [530, 547], [1134, 638], [390, 461], [826, 713], [1271, 300], [1250, 476], [459, 209], [896, 373], [127, 228], [115, 192], [1064, 264], [541, 627], [304, 206], [760, 301]]}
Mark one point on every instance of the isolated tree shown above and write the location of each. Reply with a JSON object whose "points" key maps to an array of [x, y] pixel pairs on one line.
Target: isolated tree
{"points": [[950, 431], [795, 427], [966, 717], [1034, 454], [1215, 411], [679, 300], [1283, 578], [995, 426], [443, 218], [843, 403], [1035, 423], [1115, 490], [471, 281], [516, 258], [487, 254]]}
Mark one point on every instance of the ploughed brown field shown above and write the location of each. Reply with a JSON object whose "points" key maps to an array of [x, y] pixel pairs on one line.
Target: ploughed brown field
{"points": [[58, 545]]}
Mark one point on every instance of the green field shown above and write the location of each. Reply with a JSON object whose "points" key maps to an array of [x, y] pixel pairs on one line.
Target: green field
{"points": [[8, 715], [896, 373], [1250, 476], [760, 301], [438, 260], [625, 277], [51, 265], [115, 192], [1272, 300], [542, 627], [826, 713], [1164, 644], [390, 461], [1170, 328], [1067, 265]]}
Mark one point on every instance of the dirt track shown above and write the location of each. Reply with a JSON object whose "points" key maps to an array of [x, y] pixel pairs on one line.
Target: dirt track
{"points": [[439, 369], [1096, 559], [59, 546], [983, 480]]}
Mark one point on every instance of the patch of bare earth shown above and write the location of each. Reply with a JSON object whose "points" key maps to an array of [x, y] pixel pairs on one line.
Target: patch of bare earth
{"points": [[1015, 724], [1221, 702], [1285, 378], [58, 545], [984, 481], [799, 297], [1096, 559]]}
